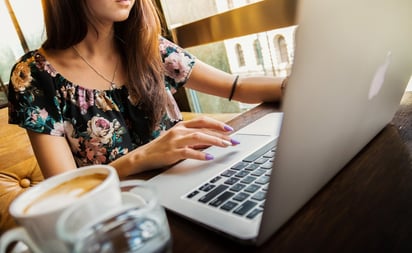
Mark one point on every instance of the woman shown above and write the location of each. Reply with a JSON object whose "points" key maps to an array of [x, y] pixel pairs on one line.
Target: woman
{"points": [[98, 91]]}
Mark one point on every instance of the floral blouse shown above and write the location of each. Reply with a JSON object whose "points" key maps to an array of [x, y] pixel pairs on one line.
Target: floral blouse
{"points": [[99, 125]]}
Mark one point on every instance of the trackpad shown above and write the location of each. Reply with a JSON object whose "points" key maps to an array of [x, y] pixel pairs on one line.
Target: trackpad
{"points": [[267, 125]]}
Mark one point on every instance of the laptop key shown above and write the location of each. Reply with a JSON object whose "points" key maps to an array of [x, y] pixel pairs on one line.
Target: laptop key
{"points": [[221, 198], [239, 165], [254, 213], [228, 173], [242, 173], [212, 194], [269, 154], [261, 160], [248, 180], [252, 167], [252, 188], [258, 172], [267, 165], [228, 206], [237, 187], [231, 180], [259, 196], [215, 179], [245, 207], [192, 194], [263, 180], [241, 196], [206, 187]]}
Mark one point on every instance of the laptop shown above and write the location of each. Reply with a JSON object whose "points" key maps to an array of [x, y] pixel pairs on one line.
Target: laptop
{"points": [[353, 60]]}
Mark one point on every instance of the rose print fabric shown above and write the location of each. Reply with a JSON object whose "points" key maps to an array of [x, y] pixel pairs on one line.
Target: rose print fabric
{"points": [[99, 125]]}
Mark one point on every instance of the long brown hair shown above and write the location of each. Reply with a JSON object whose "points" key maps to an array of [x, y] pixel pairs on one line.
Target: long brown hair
{"points": [[137, 39]]}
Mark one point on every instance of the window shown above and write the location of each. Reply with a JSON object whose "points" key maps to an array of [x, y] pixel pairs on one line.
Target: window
{"points": [[10, 46], [29, 15], [230, 4], [240, 56], [258, 52], [281, 49], [21, 26]]}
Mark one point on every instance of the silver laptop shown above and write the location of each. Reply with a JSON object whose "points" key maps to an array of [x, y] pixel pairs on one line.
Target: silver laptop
{"points": [[353, 60]]}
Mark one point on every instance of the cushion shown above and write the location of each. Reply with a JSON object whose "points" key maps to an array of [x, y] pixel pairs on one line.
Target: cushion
{"points": [[18, 167]]}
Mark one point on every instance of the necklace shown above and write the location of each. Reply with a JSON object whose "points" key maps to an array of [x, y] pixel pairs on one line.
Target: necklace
{"points": [[111, 82]]}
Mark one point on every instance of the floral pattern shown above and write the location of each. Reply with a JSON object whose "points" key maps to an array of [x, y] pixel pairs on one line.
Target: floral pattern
{"points": [[99, 125]]}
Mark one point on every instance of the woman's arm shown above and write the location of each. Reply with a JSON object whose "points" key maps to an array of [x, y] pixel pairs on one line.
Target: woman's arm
{"points": [[180, 142], [207, 79], [53, 153]]}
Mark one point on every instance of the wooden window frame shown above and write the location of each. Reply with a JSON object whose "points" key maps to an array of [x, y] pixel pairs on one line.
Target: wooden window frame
{"points": [[253, 18]]}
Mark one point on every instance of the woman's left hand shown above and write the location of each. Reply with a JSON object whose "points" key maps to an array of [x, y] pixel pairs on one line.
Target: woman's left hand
{"points": [[183, 141]]}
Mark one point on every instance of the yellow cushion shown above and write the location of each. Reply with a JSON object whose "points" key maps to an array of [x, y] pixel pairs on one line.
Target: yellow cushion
{"points": [[18, 167]]}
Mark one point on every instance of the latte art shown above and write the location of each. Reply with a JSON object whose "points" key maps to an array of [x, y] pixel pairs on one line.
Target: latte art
{"points": [[65, 193]]}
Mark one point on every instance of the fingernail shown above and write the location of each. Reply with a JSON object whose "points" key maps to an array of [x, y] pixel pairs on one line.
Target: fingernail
{"points": [[228, 128], [234, 142], [226, 143], [209, 157]]}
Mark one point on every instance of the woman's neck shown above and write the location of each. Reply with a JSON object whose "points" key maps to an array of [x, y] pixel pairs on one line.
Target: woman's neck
{"points": [[101, 41]]}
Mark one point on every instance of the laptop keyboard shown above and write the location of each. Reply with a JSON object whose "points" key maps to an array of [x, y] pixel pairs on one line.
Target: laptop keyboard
{"points": [[241, 189]]}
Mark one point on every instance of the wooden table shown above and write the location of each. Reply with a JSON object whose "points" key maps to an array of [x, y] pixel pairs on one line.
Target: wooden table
{"points": [[367, 207]]}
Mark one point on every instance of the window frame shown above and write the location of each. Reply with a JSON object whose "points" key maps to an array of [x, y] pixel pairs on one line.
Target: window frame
{"points": [[261, 16]]}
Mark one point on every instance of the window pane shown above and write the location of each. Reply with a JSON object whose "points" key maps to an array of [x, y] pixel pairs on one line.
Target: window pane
{"points": [[10, 46], [180, 12], [30, 17]]}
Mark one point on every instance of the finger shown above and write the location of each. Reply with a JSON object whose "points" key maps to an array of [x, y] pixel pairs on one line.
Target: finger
{"points": [[200, 138], [224, 136], [189, 153], [233, 142], [200, 147], [211, 126], [207, 122]]}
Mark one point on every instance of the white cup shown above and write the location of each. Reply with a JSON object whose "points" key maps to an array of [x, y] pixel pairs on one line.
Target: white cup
{"points": [[37, 215]]}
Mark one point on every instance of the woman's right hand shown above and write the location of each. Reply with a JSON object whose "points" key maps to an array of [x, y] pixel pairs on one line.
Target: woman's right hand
{"points": [[183, 141]]}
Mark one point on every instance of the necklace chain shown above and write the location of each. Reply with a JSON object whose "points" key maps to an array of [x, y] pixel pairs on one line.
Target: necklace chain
{"points": [[111, 82]]}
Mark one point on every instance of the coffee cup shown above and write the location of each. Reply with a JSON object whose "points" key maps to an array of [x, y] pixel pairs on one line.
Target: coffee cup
{"points": [[95, 188]]}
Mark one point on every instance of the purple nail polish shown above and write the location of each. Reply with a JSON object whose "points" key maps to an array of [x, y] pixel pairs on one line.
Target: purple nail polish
{"points": [[228, 128], [234, 142], [209, 157]]}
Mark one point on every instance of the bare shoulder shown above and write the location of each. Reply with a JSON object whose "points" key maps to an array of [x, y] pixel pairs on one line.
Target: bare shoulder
{"points": [[64, 62], [58, 58]]}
